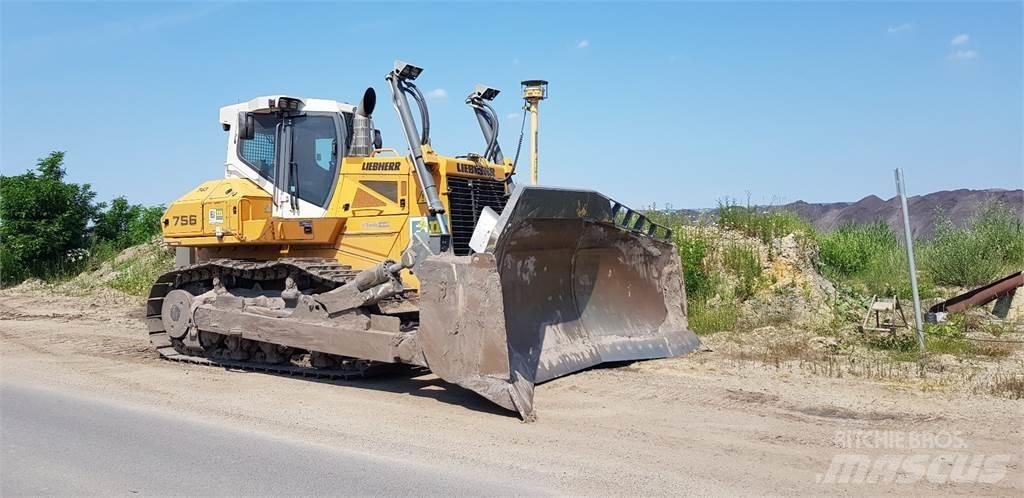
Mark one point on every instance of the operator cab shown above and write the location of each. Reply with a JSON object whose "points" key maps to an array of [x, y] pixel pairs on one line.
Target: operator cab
{"points": [[291, 147]]}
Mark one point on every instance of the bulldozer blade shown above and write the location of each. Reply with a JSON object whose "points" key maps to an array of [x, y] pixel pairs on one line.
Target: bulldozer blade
{"points": [[564, 285]]}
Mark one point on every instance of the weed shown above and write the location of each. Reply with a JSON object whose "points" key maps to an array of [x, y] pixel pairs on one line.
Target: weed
{"points": [[744, 262], [694, 244], [708, 318], [1008, 386], [136, 275], [763, 223]]}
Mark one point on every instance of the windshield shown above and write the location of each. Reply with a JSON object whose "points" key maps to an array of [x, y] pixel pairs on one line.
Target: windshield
{"points": [[314, 151]]}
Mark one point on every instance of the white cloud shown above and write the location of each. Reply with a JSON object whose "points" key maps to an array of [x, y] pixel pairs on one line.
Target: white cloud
{"points": [[437, 93], [901, 28], [963, 55], [960, 40], [513, 115], [583, 44]]}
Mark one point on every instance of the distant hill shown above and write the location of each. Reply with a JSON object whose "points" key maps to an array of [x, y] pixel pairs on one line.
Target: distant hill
{"points": [[957, 205]]}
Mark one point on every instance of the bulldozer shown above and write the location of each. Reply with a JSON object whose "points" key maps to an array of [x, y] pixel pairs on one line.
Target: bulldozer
{"points": [[321, 253]]}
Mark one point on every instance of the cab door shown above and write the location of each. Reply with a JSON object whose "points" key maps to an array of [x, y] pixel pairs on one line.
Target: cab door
{"points": [[311, 146]]}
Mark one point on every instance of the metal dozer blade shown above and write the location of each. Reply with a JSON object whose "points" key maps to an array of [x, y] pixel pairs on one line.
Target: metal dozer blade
{"points": [[569, 279]]}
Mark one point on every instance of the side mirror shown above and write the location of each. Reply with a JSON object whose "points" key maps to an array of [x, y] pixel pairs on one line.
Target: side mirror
{"points": [[246, 126], [377, 141]]}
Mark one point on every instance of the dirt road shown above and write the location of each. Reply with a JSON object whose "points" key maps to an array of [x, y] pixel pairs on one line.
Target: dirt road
{"points": [[697, 424]]}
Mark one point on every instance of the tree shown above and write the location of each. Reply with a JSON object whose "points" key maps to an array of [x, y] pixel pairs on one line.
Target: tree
{"points": [[44, 221], [123, 225]]}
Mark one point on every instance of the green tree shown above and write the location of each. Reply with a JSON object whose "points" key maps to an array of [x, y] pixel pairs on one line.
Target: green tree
{"points": [[44, 221], [123, 225]]}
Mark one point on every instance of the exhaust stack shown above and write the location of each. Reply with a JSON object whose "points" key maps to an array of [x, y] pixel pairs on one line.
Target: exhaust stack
{"points": [[362, 125]]}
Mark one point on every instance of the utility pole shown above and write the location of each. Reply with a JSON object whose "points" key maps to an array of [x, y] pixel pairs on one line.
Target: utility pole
{"points": [[534, 91], [901, 191]]}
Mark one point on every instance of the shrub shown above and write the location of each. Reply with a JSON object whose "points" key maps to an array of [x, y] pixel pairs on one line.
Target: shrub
{"points": [[989, 245], [850, 249], [870, 259]]}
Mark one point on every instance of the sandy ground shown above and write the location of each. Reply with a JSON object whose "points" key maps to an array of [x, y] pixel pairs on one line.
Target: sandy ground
{"points": [[698, 424]]}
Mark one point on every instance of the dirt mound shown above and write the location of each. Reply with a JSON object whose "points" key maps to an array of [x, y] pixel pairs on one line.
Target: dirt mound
{"points": [[132, 269], [775, 283]]}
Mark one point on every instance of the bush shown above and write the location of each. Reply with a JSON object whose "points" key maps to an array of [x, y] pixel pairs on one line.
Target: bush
{"points": [[43, 222], [987, 247], [870, 259], [850, 249]]}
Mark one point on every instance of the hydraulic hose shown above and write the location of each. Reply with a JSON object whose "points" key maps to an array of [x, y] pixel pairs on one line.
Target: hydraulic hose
{"points": [[424, 114]]}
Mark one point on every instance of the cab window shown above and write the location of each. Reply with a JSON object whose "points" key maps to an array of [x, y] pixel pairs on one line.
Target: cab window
{"points": [[260, 151], [315, 151]]}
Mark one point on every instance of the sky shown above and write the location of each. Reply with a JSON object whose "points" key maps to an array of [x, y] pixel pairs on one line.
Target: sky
{"points": [[679, 104]]}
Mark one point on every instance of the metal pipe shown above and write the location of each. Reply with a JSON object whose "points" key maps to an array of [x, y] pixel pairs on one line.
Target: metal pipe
{"points": [[901, 190], [413, 138]]}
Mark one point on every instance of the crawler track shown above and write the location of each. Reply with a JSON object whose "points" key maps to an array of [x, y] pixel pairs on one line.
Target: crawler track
{"points": [[323, 273]]}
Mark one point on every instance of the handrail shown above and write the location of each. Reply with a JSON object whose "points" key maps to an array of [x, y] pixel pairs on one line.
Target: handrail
{"points": [[374, 152]]}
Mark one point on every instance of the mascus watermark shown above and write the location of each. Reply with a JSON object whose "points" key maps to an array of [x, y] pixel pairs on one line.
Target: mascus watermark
{"points": [[936, 457]]}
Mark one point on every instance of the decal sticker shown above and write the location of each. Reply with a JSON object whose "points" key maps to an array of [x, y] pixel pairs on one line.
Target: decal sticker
{"points": [[216, 216], [376, 224], [417, 225]]}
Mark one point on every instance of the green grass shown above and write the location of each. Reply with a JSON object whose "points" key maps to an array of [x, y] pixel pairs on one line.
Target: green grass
{"points": [[707, 318], [694, 245], [136, 275], [744, 262], [762, 223]]}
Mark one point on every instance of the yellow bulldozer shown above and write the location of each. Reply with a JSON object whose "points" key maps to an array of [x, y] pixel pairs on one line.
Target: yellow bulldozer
{"points": [[321, 253]]}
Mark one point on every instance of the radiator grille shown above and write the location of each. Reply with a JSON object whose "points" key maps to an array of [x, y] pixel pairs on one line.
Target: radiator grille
{"points": [[466, 198]]}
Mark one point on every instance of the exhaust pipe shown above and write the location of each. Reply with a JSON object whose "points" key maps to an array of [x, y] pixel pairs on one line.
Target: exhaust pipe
{"points": [[363, 138]]}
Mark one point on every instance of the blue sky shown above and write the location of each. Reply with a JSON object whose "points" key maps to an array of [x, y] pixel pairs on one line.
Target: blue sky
{"points": [[681, 103]]}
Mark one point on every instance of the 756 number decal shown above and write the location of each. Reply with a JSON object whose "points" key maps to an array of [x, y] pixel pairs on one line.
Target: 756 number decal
{"points": [[185, 220]]}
